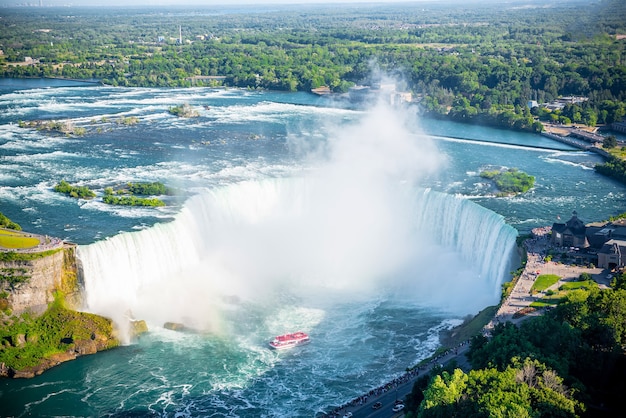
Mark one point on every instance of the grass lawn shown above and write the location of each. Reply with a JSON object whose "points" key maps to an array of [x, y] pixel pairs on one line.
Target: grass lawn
{"points": [[16, 240], [468, 328], [585, 284], [543, 282], [555, 299], [545, 302]]}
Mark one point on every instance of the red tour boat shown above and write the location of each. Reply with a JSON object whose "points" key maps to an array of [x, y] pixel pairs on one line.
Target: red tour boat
{"points": [[289, 340]]}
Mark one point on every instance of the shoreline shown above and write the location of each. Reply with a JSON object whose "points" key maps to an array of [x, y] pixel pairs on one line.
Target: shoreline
{"points": [[509, 310], [557, 133]]}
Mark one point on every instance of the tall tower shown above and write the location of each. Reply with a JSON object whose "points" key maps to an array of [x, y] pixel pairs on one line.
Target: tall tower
{"points": [[180, 34]]}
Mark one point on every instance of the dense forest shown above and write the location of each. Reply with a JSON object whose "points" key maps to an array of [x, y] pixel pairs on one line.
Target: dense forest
{"points": [[470, 61]]}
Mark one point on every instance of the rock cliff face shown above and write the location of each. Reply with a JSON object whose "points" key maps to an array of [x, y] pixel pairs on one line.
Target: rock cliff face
{"points": [[48, 286], [30, 285]]}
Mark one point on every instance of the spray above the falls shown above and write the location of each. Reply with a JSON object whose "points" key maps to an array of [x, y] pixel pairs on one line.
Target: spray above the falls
{"points": [[356, 225]]}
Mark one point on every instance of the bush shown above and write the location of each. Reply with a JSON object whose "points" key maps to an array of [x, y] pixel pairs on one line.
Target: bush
{"points": [[147, 189], [511, 180], [132, 201], [8, 224], [33, 339], [74, 191]]}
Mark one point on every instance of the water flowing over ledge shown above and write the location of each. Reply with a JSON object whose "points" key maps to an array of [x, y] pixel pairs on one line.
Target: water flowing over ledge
{"points": [[246, 238], [480, 235]]}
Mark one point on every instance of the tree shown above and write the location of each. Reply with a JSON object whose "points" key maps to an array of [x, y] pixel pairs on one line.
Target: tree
{"points": [[525, 389], [443, 394], [609, 142]]}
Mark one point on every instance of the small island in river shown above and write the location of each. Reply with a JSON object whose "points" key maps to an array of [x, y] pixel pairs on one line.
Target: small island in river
{"points": [[509, 181]]}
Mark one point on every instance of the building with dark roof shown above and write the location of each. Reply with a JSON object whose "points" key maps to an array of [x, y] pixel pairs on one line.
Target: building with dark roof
{"points": [[570, 234], [612, 255], [604, 240]]}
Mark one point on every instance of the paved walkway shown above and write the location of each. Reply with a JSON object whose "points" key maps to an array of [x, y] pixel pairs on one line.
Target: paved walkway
{"points": [[398, 388], [520, 298], [46, 243]]}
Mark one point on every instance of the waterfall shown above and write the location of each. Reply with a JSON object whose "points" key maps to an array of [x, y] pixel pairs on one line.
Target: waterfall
{"points": [[246, 239], [480, 235]]}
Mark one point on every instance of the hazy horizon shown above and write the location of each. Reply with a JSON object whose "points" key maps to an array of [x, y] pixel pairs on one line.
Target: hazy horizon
{"points": [[196, 3], [159, 3]]}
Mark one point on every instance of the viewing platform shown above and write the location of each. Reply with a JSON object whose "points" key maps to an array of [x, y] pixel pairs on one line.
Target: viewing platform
{"points": [[25, 242]]}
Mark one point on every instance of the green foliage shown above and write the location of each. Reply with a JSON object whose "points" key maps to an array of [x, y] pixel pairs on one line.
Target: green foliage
{"points": [[619, 281], [617, 217], [510, 181], [64, 127], [67, 189], [15, 256], [120, 197], [183, 111], [147, 189], [609, 142], [581, 339], [524, 389], [613, 167], [132, 201], [484, 70], [17, 240], [583, 284], [9, 224], [13, 276], [128, 120], [471, 326], [28, 340]]}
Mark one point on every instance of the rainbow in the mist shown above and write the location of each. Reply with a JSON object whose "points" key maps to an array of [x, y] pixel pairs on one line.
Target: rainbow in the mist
{"points": [[331, 221], [357, 226], [332, 252]]}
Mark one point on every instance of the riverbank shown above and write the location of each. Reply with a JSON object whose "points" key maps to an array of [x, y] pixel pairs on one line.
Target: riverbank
{"points": [[515, 308]]}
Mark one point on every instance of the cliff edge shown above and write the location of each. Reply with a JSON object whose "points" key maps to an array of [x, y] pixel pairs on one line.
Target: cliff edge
{"points": [[39, 326]]}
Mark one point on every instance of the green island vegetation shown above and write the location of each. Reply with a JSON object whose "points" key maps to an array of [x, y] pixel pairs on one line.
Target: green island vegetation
{"points": [[127, 196], [184, 111], [67, 189], [511, 181], [64, 127], [148, 189], [466, 62], [5, 222], [132, 201], [128, 120], [26, 340], [469, 62], [568, 362]]}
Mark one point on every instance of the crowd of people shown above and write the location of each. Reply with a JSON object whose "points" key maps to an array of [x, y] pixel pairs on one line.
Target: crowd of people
{"points": [[408, 376], [46, 243]]}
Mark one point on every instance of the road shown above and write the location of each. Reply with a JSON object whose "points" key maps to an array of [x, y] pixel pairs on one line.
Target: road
{"points": [[388, 398], [519, 299]]}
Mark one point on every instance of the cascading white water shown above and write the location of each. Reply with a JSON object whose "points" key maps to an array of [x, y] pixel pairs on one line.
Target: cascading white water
{"points": [[251, 238], [480, 235]]}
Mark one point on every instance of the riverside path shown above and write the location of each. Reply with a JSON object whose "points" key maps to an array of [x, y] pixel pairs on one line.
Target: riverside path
{"points": [[519, 299]]}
